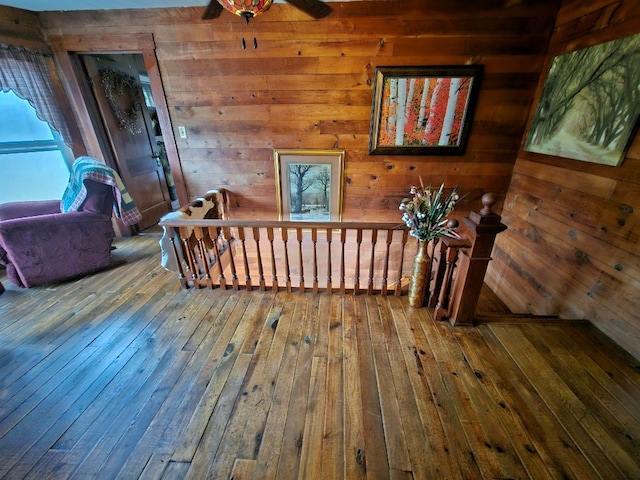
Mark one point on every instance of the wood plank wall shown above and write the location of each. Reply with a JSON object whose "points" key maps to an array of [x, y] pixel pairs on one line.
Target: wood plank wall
{"points": [[22, 28], [309, 85], [573, 246]]}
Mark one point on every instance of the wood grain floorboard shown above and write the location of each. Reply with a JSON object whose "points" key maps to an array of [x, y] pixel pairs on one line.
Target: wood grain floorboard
{"points": [[123, 374]]}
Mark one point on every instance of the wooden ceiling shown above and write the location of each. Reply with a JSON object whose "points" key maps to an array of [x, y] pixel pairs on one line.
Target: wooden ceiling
{"points": [[62, 5]]}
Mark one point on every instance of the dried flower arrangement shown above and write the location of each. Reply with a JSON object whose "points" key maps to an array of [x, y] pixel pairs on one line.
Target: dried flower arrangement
{"points": [[426, 212]]}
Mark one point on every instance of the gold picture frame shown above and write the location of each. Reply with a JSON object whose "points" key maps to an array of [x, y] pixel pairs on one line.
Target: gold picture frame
{"points": [[309, 184]]}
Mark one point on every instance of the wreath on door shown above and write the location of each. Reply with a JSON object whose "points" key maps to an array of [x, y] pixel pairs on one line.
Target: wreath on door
{"points": [[122, 89]]}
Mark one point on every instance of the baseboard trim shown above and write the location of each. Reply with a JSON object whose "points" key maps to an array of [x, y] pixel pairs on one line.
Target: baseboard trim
{"points": [[514, 318]]}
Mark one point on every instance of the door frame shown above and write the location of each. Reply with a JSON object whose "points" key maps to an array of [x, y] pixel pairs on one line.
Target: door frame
{"points": [[66, 48]]}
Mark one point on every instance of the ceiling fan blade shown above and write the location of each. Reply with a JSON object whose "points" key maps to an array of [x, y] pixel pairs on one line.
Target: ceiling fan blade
{"points": [[213, 10], [315, 8]]}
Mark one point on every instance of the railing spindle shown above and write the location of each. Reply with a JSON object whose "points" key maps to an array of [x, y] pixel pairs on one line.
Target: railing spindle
{"points": [[202, 252], [274, 274], [256, 238], [442, 306], [299, 237], [439, 264], [405, 236], [329, 238], [247, 273], [188, 254], [171, 232], [356, 285], [226, 231], [385, 268], [343, 240], [374, 241], [221, 278], [287, 272], [314, 241]]}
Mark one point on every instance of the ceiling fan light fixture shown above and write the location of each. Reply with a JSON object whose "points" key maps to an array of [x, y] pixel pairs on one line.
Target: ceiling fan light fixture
{"points": [[246, 8]]}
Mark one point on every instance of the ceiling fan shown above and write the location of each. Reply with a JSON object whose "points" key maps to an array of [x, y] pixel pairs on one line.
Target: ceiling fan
{"points": [[250, 8]]}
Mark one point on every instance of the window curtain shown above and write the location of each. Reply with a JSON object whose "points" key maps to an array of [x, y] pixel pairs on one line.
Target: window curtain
{"points": [[26, 73]]}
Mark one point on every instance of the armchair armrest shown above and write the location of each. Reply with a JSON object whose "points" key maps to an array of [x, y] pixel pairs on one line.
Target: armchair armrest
{"points": [[12, 210]]}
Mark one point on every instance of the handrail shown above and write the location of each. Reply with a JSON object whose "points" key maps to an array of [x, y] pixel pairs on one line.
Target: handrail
{"points": [[183, 222]]}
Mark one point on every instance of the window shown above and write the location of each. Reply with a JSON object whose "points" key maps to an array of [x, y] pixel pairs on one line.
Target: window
{"points": [[34, 161]]}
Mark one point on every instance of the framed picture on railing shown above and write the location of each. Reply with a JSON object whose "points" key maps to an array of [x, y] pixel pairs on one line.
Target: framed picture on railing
{"points": [[309, 185], [423, 110]]}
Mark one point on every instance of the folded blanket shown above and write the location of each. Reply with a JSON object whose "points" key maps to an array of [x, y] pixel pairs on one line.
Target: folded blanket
{"points": [[88, 168], [205, 207]]}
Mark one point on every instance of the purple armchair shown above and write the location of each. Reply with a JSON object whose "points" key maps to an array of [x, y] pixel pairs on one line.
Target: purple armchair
{"points": [[40, 245]]}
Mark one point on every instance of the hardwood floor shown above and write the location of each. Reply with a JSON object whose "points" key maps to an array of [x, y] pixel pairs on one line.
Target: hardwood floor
{"points": [[124, 375]]}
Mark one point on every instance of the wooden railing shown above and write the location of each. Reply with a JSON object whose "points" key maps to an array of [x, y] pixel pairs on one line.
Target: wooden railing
{"points": [[293, 256], [335, 257], [459, 266]]}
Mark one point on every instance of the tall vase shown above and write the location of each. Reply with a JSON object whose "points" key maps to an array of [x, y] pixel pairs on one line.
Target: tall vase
{"points": [[420, 275]]}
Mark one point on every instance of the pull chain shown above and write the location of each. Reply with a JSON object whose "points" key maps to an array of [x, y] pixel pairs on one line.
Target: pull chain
{"points": [[255, 40], [247, 16], [244, 45]]}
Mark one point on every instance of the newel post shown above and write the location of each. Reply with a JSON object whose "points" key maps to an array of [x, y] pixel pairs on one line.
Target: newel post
{"points": [[483, 228]]}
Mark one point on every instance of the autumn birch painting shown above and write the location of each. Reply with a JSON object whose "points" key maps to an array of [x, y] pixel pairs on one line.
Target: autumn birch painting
{"points": [[590, 103], [422, 110]]}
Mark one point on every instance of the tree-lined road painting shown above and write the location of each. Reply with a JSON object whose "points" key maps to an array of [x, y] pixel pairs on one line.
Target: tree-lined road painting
{"points": [[310, 192], [590, 103], [423, 111]]}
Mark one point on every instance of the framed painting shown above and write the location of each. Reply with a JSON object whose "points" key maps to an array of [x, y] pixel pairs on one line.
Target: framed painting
{"points": [[309, 185], [423, 110], [589, 106]]}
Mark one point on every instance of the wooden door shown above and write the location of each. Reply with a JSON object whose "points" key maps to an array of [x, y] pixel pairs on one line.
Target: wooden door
{"points": [[130, 133]]}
